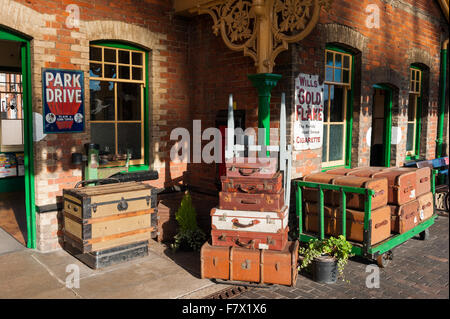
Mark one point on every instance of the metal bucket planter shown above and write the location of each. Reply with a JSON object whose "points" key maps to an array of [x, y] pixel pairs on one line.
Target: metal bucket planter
{"points": [[324, 269]]}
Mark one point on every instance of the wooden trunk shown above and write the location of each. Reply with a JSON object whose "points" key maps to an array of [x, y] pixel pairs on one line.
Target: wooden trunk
{"points": [[401, 186], [250, 265], [356, 201], [106, 216], [250, 185], [423, 178], [426, 206], [404, 217], [254, 167], [366, 171], [252, 240], [312, 194], [249, 221], [252, 202]]}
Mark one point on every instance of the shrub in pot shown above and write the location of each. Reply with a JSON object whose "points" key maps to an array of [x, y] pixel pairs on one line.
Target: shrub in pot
{"points": [[189, 236], [327, 257]]}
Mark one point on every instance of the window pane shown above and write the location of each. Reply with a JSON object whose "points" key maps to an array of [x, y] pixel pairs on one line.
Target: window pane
{"points": [[346, 76], [346, 61], [337, 104], [95, 70], [110, 71], [412, 107], [124, 72], [325, 143], [337, 75], [329, 58], [101, 100], [137, 73], [95, 53], [417, 87], [124, 57], [129, 139], [328, 74], [137, 58], [336, 142], [103, 134], [410, 137], [413, 75], [338, 60], [128, 102], [110, 55]]}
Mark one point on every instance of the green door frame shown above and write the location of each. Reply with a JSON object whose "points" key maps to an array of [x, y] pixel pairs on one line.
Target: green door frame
{"points": [[387, 133], [28, 132]]}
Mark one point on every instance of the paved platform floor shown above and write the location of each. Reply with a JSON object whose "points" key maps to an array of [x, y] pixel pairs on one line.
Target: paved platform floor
{"points": [[419, 270]]}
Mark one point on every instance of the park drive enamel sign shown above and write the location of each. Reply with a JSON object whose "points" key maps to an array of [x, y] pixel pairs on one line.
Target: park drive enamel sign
{"points": [[63, 92], [308, 120]]}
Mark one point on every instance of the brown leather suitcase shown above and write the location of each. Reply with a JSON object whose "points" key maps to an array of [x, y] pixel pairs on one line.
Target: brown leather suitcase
{"points": [[252, 202], [312, 219], [252, 167], [215, 261], [426, 206], [356, 201], [280, 267], [423, 178], [366, 171], [250, 185], [252, 240], [341, 171], [312, 194], [401, 186], [404, 217], [381, 224]]}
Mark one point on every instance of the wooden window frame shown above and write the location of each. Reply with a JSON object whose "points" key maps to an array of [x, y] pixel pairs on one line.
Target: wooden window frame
{"points": [[143, 162], [347, 106], [415, 89]]}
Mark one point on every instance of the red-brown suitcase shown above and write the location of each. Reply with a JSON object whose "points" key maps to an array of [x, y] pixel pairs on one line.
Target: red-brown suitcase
{"points": [[426, 206], [251, 265], [312, 194], [255, 167], [405, 217], [252, 202], [252, 240], [251, 185], [356, 201], [401, 186], [381, 224], [215, 262], [312, 218], [423, 178], [366, 171]]}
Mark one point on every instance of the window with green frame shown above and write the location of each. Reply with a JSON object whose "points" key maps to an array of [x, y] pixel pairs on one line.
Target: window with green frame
{"points": [[118, 102], [414, 110], [339, 68]]}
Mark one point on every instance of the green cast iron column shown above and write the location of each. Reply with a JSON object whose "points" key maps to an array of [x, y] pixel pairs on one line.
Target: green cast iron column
{"points": [[440, 140], [264, 83]]}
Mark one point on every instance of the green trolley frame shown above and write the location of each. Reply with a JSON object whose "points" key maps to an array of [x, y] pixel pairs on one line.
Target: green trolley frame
{"points": [[381, 252]]}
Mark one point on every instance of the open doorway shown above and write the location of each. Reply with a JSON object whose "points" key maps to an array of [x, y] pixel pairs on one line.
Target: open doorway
{"points": [[380, 149], [13, 208]]}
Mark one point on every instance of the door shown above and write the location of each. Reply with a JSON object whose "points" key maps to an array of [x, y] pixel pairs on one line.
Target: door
{"points": [[380, 150], [18, 155]]}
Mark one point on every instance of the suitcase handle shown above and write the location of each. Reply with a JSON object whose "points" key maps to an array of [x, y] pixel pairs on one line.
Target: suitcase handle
{"points": [[427, 205], [246, 189], [247, 202], [384, 222], [378, 193], [250, 244], [236, 223], [409, 188], [248, 171], [423, 180]]}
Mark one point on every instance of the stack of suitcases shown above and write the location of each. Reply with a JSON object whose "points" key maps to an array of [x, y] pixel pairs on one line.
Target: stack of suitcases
{"points": [[402, 200], [250, 227]]}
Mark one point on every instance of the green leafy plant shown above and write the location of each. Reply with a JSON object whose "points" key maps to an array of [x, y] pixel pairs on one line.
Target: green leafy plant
{"points": [[338, 248], [189, 234]]}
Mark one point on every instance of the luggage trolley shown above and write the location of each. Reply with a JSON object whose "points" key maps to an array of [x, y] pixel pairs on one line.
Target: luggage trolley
{"points": [[380, 252]]}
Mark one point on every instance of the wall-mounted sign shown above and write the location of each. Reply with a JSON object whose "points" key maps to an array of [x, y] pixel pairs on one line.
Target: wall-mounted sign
{"points": [[63, 96], [308, 121]]}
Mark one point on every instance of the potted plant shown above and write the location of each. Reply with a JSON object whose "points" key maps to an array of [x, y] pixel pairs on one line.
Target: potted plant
{"points": [[189, 236], [327, 257]]}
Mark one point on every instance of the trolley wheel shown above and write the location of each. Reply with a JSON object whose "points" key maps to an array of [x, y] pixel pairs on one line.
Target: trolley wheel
{"points": [[425, 235], [384, 259]]}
